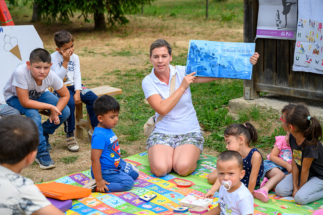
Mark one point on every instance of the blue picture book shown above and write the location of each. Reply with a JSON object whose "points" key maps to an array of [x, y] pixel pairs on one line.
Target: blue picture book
{"points": [[220, 59]]}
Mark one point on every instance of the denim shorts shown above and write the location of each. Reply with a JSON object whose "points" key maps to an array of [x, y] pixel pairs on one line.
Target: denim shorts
{"points": [[268, 165], [174, 140]]}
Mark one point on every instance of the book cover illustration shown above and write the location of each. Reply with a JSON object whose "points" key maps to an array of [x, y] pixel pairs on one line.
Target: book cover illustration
{"points": [[220, 59]]}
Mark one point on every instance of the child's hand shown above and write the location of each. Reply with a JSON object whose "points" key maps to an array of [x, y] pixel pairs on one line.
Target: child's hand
{"points": [[53, 118], [66, 55], [209, 194], [77, 97], [254, 58], [289, 168], [101, 185]]}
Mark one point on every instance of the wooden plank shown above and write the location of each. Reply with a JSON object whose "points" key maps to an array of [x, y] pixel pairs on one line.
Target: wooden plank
{"points": [[309, 81], [249, 33], [288, 91], [106, 90], [78, 118], [295, 78], [259, 67], [283, 65], [269, 61], [319, 82]]}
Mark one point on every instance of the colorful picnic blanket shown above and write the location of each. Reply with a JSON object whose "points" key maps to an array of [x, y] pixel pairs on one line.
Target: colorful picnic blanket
{"points": [[168, 194]]}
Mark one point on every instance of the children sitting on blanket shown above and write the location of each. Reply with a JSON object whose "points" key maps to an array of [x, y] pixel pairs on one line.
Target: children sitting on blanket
{"points": [[26, 91], [234, 197], [111, 173], [277, 165], [238, 138], [18, 148], [66, 64], [305, 183]]}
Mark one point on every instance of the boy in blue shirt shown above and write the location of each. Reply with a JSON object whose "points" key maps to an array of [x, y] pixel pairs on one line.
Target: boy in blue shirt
{"points": [[111, 173], [66, 65]]}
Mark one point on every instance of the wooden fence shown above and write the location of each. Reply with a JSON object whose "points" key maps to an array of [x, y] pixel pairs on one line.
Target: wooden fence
{"points": [[273, 72]]}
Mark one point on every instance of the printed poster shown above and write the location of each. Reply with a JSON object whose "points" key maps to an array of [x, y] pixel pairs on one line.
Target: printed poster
{"points": [[16, 44], [220, 59], [277, 19], [308, 55]]}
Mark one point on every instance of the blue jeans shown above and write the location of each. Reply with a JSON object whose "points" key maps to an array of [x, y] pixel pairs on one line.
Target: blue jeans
{"points": [[88, 97], [121, 179], [46, 128]]}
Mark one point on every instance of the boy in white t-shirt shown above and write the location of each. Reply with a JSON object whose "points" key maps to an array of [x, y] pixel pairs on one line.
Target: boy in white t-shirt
{"points": [[66, 64], [26, 91], [18, 148], [234, 196]]}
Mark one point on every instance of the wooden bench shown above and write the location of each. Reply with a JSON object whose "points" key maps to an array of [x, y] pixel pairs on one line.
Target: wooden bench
{"points": [[85, 124]]}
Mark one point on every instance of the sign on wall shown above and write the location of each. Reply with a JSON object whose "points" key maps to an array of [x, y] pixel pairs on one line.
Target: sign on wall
{"points": [[16, 44], [277, 19], [308, 55]]}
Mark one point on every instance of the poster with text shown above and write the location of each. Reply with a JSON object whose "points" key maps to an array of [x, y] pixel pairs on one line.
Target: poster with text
{"points": [[308, 55], [16, 44], [277, 19], [220, 59]]}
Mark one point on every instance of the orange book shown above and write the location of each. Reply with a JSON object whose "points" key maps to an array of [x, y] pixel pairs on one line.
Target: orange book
{"points": [[63, 191]]}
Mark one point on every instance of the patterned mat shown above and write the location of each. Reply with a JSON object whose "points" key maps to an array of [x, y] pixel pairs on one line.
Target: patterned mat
{"points": [[168, 194]]}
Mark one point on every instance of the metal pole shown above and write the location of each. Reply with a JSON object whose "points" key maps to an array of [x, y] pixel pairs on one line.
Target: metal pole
{"points": [[207, 9]]}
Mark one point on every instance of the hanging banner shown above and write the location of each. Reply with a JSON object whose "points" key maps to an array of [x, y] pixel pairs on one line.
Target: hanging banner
{"points": [[220, 59], [308, 55], [16, 44], [277, 19]]}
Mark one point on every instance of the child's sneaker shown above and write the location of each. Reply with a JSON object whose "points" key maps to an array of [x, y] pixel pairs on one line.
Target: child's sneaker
{"points": [[261, 194], [72, 144], [45, 162]]}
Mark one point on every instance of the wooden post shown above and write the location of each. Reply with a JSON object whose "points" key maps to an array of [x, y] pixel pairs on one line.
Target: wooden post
{"points": [[249, 33], [207, 9], [78, 119]]}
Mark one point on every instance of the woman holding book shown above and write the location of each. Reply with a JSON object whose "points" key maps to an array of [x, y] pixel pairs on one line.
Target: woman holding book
{"points": [[177, 141]]}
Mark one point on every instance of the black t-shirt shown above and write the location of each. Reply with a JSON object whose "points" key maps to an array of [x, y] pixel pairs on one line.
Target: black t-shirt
{"points": [[316, 152]]}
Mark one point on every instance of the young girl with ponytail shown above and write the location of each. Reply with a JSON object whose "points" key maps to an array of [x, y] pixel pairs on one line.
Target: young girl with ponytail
{"points": [[305, 183], [238, 138]]}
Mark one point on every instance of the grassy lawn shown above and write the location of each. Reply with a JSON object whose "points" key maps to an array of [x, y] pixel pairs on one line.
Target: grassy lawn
{"points": [[120, 58]]}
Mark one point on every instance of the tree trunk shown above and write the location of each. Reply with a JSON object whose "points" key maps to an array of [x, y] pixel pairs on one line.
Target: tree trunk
{"points": [[99, 21], [36, 13]]}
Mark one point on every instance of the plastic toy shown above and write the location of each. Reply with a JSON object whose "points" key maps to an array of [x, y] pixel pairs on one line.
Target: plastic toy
{"points": [[180, 210], [148, 197]]}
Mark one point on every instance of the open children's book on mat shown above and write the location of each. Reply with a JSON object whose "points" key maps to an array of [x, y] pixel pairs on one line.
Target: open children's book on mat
{"points": [[167, 194]]}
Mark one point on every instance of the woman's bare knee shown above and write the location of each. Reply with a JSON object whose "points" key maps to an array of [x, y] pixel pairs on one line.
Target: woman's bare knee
{"points": [[161, 169], [184, 169]]}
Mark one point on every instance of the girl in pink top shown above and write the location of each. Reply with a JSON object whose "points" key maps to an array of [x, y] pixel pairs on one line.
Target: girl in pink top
{"points": [[277, 165]]}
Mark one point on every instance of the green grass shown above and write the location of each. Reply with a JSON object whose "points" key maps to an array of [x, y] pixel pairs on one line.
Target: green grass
{"points": [[69, 159], [231, 10]]}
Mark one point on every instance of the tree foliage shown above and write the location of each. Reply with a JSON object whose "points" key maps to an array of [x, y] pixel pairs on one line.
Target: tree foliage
{"points": [[63, 10]]}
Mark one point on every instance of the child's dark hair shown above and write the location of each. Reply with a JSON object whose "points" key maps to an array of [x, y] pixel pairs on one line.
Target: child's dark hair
{"points": [[62, 37], [299, 116], [39, 55], [229, 155], [247, 129], [104, 104], [18, 137]]}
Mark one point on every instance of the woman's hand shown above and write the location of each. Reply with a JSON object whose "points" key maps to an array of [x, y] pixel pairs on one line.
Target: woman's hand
{"points": [[295, 191], [187, 80], [254, 58]]}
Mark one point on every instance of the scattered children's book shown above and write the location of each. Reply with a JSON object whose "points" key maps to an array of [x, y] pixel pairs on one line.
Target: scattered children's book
{"points": [[148, 197], [220, 59], [61, 205], [199, 210], [62, 191], [195, 201]]}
